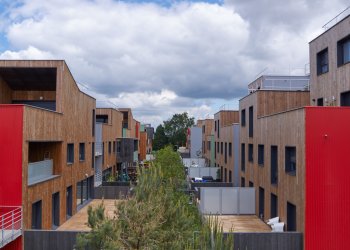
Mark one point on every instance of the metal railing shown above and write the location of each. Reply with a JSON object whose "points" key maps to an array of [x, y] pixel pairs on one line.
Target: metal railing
{"points": [[40, 170], [10, 224], [98, 149], [337, 19], [281, 83]]}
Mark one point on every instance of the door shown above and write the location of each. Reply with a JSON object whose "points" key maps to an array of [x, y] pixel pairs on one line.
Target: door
{"points": [[55, 210], [69, 202], [274, 207], [291, 217], [36, 215]]}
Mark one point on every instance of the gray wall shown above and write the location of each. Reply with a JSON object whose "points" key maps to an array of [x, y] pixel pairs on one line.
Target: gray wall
{"points": [[196, 142], [227, 200], [236, 154], [49, 240], [268, 241]]}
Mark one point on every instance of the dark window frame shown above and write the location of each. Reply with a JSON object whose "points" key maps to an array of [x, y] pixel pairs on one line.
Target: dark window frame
{"points": [[251, 152], [340, 51], [82, 151], [291, 160], [261, 154], [70, 153], [322, 62], [243, 118], [251, 121], [243, 157]]}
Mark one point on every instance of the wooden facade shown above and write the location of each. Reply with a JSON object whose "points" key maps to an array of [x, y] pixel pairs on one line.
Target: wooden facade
{"points": [[46, 133], [336, 79], [207, 132], [224, 143], [273, 128]]}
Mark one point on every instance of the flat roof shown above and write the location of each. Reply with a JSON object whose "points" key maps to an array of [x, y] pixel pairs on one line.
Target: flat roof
{"points": [[243, 223]]}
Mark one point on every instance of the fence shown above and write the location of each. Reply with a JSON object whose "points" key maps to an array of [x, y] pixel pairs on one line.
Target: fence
{"points": [[227, 200], [188, 162], [10, 224], [111, 192], [268, 241], [46, 239]]}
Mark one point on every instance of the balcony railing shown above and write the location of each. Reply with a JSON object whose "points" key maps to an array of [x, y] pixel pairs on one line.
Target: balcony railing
{"points": [[40, 171], [10, 224], [98, 149]]}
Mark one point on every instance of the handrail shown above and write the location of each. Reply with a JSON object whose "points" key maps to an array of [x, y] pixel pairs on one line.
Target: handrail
{"points": [[335, 19], [10, 225]]}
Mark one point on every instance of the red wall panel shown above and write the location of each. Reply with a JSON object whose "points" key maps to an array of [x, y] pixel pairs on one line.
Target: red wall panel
{"points": [[11, 134], [14, 245], [327, 208]]}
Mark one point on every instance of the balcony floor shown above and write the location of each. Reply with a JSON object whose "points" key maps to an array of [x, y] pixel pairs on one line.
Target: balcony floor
{"points": [[78, 222], [243, 223]]}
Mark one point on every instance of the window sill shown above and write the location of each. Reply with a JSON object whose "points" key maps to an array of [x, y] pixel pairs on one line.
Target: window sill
{"points": [[322, 73], [70, 163], [261, 165], [291, 173], [81, 160]]}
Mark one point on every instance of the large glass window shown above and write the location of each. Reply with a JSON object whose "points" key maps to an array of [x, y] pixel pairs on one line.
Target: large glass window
{"points": [[344, 51], [290, 160], [70, 153], [261, 155], [81, 151]]}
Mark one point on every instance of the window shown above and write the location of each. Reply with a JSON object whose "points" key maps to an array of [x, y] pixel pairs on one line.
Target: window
{"points": [[230, 149], [109, 147], [70, 153], [103, 152], [93, 122], [222, 147], [242, 182], [243, 157], [250, 152], [261, 202], [274, 206], [230, 176], [345, 98], [102, 118], [261, 155], [251, 121], [215, 125], [290, 162], [215, 147], [225, 174], [93, 155], [291, 217], [222, 173], [81, 151], [225, 152], [119, 146], [203, 129], [274, 165], [320, 102], [344, 51], [251, 184], [208, 143], [218, 129], [113, 146], [322, 62], [243, 118], [218, 147], [36, 215]]}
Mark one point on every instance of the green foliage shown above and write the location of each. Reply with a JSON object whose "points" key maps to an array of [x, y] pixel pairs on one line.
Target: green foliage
{"points": [[176, 128], [158, 216], [160, 139]]}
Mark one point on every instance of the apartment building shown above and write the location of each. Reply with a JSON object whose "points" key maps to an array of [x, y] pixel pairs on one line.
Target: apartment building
{"points": [[146, 141], [128, 144], [226, 137], [208, 142], [108, 129], [294, 151], [47, 142]]}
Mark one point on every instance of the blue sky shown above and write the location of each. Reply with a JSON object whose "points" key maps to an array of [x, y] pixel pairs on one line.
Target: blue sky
{"points": [[165, 57]]}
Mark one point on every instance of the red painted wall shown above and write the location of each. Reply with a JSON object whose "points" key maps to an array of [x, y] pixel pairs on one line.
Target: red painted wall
{"points": [[11, 134], [327, 208], [14, 245]]}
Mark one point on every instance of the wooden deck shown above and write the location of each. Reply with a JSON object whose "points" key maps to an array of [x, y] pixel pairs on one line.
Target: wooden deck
{"points": [[243, 223], [78, 222]]}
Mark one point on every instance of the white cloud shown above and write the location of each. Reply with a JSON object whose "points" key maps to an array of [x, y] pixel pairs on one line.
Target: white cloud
{"points": [[161, 60]]}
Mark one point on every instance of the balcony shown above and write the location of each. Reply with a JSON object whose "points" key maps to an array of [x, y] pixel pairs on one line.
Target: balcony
{"points": [[10, 224], [40, 171], [281, 83]]}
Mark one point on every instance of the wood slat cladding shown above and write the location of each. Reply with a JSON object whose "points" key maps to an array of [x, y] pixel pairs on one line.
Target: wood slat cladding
{"points": [[207, 131], [337, 79], [72, 123], [34, 95], [272, 102], [110, 132], [143, 146], [5, 93], [227, 117], [281, 130]]}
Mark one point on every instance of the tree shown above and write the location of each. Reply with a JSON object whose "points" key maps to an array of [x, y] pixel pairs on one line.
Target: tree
{"points": [[160, 139], [176, 128]]}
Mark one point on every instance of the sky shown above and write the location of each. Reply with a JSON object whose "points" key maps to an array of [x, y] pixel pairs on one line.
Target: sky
{"points": [[165, 57]]}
